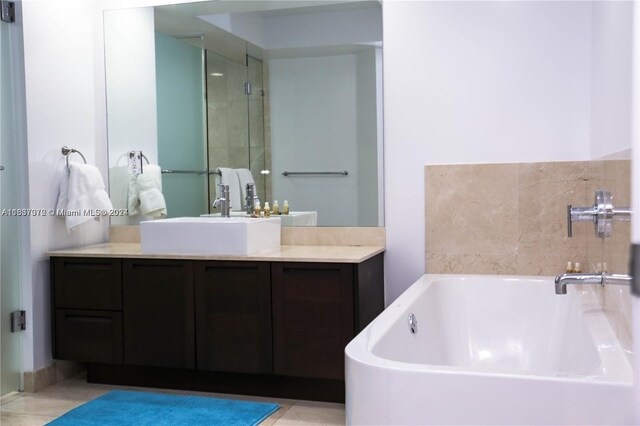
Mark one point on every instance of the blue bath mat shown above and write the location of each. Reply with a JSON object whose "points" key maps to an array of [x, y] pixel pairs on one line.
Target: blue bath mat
{"points": [[142, 408]]}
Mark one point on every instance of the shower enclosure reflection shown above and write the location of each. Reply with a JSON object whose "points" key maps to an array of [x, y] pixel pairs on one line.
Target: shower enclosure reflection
{"points": [[235, 116]]}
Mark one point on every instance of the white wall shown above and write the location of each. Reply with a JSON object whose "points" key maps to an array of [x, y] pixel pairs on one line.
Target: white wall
{"points": [[61, 110], [476, 82], [367, 151], [611, 77], [314, 128], [131, 83]]}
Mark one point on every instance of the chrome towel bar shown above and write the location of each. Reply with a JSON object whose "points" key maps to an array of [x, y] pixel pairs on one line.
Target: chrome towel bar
{"points": [[286, 173], [191, 172]]}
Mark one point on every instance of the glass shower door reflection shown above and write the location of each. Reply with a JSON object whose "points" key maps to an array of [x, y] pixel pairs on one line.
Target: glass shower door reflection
{"points": [[235, 119], [10, 364]]}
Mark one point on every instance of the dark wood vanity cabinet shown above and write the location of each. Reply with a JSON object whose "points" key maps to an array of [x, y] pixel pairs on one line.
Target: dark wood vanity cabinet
{"points": [[265, 328], [158, 302], [87, 309], [317, 309], [313, 318], [233, 317]]}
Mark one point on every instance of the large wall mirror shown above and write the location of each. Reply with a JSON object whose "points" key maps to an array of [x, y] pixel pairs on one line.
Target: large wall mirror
{"points": [[286, 93]]}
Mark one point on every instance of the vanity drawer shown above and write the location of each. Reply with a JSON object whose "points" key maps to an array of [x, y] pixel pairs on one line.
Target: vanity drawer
{"points": [[88, 336], [81, 283]]}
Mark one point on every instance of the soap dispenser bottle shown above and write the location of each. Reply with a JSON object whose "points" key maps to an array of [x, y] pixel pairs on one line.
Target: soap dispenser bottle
{"points": [[569, 268]]}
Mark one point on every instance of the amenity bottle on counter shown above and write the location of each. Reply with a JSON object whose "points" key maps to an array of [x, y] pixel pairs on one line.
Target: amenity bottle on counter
{"points": [[256, 209], [285, 207], [276, 207], [267, 209]]}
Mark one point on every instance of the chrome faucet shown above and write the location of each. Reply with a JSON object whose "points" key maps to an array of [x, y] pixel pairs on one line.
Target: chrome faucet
{"points": [[602, 278], [251, 198], [222, 201]]}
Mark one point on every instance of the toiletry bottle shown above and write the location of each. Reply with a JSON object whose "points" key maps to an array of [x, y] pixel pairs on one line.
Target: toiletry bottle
{"points": [[267, 209], [285, 207], [257, 211], [577, 269], [276, 207], [569, 267]]}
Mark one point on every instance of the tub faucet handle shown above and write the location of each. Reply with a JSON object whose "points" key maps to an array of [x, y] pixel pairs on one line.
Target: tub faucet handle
{"points": [[602, 213]]}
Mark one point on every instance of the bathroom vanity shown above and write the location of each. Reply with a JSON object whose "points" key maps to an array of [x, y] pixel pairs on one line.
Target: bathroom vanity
{"points": [[272, 324]]}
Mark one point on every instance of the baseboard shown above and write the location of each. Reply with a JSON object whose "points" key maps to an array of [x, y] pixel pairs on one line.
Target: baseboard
{"points": [[206, 381], [35, 381]]}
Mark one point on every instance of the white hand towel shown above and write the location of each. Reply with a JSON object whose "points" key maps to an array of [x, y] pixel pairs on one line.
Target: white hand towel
{"points": [[245, 177], [86, 196], [230, 177], [63, 197], [149, 185]]}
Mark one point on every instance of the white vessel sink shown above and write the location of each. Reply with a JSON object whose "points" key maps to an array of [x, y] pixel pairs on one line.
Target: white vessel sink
{"points": [[210, 235]]}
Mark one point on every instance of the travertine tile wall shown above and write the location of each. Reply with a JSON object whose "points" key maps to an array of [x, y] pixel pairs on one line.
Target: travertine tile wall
{"points": [[511, 218]]}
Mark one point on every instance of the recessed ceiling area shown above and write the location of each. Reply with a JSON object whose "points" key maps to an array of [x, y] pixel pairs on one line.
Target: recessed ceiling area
{"points": [[281, 28]]}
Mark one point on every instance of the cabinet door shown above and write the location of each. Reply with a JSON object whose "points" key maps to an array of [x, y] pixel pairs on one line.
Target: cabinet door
{"points": [[158, 313], [312, 318], [88, 336], [233, 317]]}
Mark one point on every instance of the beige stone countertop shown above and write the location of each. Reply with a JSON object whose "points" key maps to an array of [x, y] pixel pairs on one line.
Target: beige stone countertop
{"points": [[334, 254]]}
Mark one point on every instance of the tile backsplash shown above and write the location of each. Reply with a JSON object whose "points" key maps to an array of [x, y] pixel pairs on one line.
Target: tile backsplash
{"points": [[511, 218]]}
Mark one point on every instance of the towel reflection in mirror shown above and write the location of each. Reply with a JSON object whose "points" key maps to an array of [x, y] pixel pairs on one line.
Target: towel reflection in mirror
{"points": [[145, 193]]}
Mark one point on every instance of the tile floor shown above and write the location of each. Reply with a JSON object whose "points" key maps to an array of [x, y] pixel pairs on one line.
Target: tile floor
{"points": [[42, 407]]}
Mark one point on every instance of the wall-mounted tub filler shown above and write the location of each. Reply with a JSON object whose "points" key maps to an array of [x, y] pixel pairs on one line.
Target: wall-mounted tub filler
{"points": [[602, 278], [602, 214]]}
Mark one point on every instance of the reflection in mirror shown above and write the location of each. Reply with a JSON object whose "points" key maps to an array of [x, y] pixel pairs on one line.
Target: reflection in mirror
{"points": [[286, 94]]}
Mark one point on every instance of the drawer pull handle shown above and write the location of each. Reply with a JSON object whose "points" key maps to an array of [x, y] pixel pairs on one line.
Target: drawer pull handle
{"points": [[88, 319]]}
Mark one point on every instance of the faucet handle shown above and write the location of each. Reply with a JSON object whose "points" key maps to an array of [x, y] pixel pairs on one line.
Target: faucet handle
{"points": [[602, 214]]}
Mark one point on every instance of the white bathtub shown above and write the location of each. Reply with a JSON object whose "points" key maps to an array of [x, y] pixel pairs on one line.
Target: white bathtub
{"points": [[489, 350]]}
